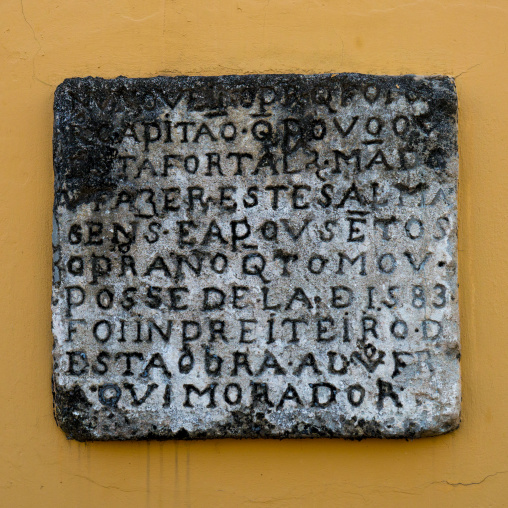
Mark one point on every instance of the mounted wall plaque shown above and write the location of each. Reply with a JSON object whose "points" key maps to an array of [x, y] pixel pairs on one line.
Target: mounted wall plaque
{"points": [[256, 256]]}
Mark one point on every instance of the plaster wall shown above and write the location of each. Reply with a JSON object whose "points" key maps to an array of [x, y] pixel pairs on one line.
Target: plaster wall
{"points": [[44, 41]]}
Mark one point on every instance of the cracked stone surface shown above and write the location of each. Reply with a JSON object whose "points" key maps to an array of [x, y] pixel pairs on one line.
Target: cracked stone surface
{"points": [[256, 256]]}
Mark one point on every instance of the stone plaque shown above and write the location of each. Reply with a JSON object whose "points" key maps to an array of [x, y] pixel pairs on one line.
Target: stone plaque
{"points": [[256, 256]]}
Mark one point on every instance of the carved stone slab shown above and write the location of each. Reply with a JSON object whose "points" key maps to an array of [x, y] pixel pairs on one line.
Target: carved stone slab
{"points": [[256, 256]]}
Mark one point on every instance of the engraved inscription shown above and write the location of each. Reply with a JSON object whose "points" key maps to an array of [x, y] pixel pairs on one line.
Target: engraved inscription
{"points": [[246, 256]]}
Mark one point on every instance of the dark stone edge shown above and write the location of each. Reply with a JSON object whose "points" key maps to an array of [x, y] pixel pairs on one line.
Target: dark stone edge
{"points": [[82, 164], [72, 415]]}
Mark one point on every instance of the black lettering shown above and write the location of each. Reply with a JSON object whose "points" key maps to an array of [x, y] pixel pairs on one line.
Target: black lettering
{"points": [[344, 257], [101, 367], [241, 360], [210, 390], [290, 393], [323, 328], [128, 361], [152, 133], [385, 389], [331, 364], [270, 362], [101, 267], [176, 297], [217, 332], [139, 401], [75, 298], [307, 361], [342, 296], [128, 264], [239, 157], [156, 362], [294, 327], [213, 299], [228, 396], [355, 394], [299, 296], [184, 232], [329, 399], [245, 331], [158, 264], [203, 130], [259, 394], [213, 159], [191, 330], [213, 363], [78, 363]]}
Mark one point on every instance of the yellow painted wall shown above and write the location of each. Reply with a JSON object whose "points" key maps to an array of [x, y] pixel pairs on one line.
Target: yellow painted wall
{"points": [[44, 41]]}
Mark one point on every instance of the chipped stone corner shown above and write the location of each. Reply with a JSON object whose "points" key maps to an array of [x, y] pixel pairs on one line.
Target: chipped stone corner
{"points": [[71, 411]]}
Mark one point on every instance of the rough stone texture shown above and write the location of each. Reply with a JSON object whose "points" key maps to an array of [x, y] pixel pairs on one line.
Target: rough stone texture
{"points": [[307, 287]]}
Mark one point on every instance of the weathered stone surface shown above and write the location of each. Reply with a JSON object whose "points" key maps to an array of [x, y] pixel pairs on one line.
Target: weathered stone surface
{"points": [[256, 256]]}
